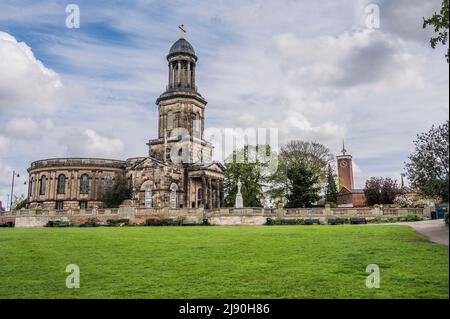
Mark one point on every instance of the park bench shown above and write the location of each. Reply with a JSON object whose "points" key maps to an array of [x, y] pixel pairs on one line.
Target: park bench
{"points": [[312, 221], [335, 221], [358, 220], [289, 222]]}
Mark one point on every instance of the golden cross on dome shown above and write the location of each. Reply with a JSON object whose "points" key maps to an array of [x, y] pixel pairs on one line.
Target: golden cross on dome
{"points": [[182, 31]]}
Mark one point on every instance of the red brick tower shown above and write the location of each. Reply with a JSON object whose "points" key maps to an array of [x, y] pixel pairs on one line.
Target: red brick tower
{"points": [[345, 169]]}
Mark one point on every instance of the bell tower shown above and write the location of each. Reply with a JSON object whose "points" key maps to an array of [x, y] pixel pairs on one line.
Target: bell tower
{"points": [[345, 169], [181, 108]]}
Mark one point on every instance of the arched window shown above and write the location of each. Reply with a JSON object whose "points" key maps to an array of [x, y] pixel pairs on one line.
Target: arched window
{"points": [[108, 182], [148, 198], [200, 194], [61, 188], [197, 125], [42, 185], [30, 187], [84, 184], [173, 195]]}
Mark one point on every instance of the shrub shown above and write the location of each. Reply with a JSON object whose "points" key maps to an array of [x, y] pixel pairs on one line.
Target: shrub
{"points": [[376, 220], [118, 222], [403, 202], [163, 222], [57, 223], [91, 222], [410, 218]]}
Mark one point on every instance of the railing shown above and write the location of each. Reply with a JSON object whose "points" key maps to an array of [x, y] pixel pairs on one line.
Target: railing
{"points": [[256, 211]]}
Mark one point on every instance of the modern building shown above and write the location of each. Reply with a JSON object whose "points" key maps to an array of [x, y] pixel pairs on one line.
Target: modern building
{"points": [[348, 196], [178, 171]]}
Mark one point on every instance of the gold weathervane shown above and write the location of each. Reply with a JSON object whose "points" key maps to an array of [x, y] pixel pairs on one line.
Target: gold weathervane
{"points": [[182, 31]]}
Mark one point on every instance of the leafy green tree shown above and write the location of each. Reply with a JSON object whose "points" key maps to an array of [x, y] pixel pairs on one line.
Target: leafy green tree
{"points": [[19, 203], [440, 23], [250, 166], [315, 157], [120, 190], [428, 166], [331, 190], [303, 186]]}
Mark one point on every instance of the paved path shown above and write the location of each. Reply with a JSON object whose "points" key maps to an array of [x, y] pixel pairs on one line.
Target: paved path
{"points": [[435, 230]]}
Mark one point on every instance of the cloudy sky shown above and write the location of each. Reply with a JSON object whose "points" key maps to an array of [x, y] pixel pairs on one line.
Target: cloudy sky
{"points": [[312, 69]]}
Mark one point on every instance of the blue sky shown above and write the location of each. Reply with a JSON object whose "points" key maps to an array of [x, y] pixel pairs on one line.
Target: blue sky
{"points": [[310, 68]]}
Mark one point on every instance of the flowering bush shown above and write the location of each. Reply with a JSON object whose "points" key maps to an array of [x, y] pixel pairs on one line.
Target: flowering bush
{"points": [[403, 201]]}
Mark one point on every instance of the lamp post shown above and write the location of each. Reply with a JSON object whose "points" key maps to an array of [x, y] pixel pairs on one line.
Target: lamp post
{"points": [[12, 189]]}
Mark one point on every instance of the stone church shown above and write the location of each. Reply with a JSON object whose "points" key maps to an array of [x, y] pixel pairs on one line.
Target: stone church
{"points": [[178, 171]]}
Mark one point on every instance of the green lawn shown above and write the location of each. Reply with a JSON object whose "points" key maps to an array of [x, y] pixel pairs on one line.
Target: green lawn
{"points": [[222, 262]]}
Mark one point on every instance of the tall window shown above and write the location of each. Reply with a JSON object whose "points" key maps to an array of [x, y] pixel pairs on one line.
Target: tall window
{"points": [[59, 205], [197, 125], [148, 198], [30, 187], [108, 182], [42, 185], [84, 184], [173, 195], [61, 184]]}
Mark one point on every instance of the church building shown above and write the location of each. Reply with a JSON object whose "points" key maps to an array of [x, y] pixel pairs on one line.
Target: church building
{"points": [[178, 172], [348, 196]]}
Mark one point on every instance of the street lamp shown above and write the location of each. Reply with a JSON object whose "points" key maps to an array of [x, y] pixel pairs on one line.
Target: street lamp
{"points": [[14, 175]]}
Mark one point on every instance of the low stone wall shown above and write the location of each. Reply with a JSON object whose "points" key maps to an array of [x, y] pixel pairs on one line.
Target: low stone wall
{"points": [[223, 216]]}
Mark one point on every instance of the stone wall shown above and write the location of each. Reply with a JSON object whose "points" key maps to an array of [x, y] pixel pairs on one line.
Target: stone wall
{"points": [[222, 216]]}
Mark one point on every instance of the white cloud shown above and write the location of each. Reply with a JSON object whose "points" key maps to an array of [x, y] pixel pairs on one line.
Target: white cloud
{"points": [[26, 127], [89, 143], [25, 83], [402, 18], [356, 59], [4, 143]]}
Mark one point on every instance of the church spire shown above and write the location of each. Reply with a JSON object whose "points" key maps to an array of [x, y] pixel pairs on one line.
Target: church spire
{"points": [[344, 151]]}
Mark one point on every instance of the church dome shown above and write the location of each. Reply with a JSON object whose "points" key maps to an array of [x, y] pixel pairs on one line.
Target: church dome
{"points": [[182, 46]]}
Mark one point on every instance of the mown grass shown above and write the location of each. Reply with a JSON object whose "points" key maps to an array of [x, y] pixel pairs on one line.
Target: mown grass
{"points": [[222, 262]]}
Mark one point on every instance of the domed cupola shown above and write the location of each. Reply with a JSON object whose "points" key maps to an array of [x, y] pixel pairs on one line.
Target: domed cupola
{"points": [[182, 47], [182, 63]]}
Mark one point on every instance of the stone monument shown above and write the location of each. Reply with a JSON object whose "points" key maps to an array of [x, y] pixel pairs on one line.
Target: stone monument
{"points": [[239, 200]]}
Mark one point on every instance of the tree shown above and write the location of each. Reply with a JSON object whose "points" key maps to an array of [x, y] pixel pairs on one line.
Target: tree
{"points": [[389, 191], [249, 166], [303, 186], [331, 190], [440, 23], [428, 166], [19, 203], [381, 191], [315, 157], [120, 190]]}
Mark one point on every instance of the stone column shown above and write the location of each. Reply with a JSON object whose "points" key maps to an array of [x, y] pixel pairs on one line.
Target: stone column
{"points": [[193, 76], [210, 197], [170, 74], [204, 191], [189, 74], [218, 194], [221, 194], [179, 72]]}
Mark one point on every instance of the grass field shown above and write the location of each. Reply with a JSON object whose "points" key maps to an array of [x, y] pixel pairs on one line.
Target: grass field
{"points": [[222, 262]]}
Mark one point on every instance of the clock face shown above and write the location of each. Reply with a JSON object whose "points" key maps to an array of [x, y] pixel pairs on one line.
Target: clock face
{"points": [[344, 164]]}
